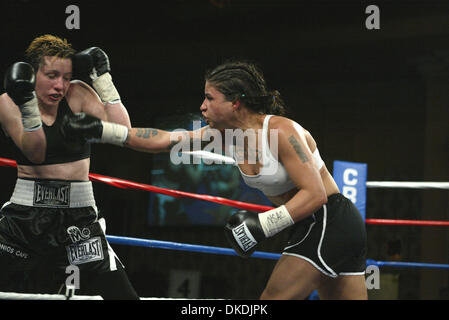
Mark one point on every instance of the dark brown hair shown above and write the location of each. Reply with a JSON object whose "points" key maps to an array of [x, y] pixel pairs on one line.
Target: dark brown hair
{"points": [[244, 81]]}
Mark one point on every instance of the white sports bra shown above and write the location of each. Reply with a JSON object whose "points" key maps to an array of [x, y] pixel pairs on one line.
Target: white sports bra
{"points": [[273, 179]]}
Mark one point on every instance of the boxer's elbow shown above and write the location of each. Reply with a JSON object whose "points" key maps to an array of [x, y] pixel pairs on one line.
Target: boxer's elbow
{"points": [[34, 148], [37, 157], [318, 197], [321, 196]]}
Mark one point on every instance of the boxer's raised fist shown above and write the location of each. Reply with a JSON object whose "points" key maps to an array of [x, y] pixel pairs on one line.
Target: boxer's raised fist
{"points": [[19, 82]]}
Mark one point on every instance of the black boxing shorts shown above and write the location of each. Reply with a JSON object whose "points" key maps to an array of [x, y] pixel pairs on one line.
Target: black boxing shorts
{"points": [[333, 239], [55, 222]]}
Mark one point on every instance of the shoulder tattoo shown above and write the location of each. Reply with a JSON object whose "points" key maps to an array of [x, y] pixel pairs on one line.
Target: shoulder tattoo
{"points": [[298, 149]]}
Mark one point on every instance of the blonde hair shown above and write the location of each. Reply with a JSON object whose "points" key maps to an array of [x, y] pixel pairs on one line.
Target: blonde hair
{"points": [[47, 45]]}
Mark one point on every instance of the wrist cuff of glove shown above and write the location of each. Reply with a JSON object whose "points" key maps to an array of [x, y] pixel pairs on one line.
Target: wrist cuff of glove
{"points": [[106, 89], [31, 117], [114, 133], [275, 220]]}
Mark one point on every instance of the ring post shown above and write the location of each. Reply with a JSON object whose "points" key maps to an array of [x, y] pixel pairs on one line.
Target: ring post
{"points": [[351, 180]]}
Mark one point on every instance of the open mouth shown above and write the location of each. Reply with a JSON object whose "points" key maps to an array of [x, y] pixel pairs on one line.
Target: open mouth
{"points": [[55, 97]]}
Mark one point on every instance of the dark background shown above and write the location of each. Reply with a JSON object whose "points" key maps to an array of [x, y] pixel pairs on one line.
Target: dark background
{"points": [[375, 96]]}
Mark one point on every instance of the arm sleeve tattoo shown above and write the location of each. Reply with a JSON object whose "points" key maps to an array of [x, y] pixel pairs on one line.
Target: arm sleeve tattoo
{"points": [[298, 149]]}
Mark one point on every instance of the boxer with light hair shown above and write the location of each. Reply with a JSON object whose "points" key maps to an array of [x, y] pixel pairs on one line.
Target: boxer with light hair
{"points": [[52, 217]]}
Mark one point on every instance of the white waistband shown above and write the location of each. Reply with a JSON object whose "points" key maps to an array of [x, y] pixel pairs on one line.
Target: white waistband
{"points": [[53, 194]]}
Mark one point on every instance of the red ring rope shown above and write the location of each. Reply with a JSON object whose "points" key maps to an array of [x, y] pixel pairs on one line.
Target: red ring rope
{"points": [[125, 184], [408, 222]]}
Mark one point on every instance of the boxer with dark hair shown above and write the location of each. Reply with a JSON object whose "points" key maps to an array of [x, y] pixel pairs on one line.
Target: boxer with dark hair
{"points": [[52, 217], [326, 250]]}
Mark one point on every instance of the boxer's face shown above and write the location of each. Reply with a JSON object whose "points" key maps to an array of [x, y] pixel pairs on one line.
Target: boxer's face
{"points": [[53, 80], [216, 110]]}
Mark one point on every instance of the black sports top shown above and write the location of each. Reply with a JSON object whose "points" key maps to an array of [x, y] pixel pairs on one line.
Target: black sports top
{"points": [[59, 150]]}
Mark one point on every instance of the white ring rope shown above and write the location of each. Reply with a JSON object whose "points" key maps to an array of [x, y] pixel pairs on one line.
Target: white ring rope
{"points": [[407, 184], [44, 296], [369, 184]]}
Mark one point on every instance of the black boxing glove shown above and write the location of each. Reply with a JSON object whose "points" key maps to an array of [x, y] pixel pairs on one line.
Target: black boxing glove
{"points": [[84, 127], [246, 229], [19, 84], [95, 62], [244, 232]]}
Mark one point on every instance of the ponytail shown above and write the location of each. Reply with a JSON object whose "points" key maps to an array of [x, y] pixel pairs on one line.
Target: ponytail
{"points": [[277, 105]]}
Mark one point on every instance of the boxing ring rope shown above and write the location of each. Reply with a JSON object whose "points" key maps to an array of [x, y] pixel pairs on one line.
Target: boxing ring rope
{"points": [[125, 184], [407, 184], [257, 254]]}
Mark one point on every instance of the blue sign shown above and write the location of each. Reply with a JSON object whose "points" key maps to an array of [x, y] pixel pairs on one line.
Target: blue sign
{"points": [[351, 180]]}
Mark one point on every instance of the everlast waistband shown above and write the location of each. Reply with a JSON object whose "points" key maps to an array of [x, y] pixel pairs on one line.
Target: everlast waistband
{"points": [[53, 194]]}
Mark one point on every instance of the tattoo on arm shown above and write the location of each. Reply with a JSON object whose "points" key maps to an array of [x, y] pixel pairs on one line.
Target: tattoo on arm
{"points": [[146, 133], [298, 149]]}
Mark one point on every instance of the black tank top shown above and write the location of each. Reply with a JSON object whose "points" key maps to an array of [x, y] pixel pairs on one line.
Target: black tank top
{"points": [[59, 150]]}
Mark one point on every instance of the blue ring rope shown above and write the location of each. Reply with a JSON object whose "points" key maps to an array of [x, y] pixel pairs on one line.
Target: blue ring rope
{"points": [[257, 254]]}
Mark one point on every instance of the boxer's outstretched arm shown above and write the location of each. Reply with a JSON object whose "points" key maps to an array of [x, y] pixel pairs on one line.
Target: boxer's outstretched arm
{"points": [[156, 140], [152, 140], [91, 129]]}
